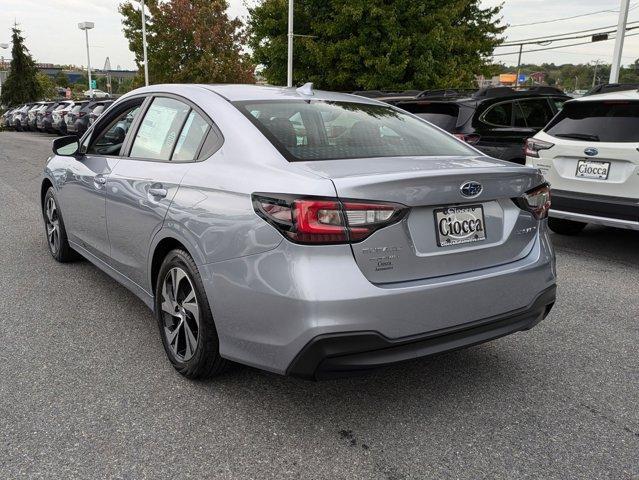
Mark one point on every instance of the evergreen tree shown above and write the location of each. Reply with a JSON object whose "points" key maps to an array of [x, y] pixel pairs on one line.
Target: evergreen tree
{"points": [[21, 85], [376, 44]]}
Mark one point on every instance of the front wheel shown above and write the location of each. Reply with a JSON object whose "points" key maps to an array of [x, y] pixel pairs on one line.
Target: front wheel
{"points": [[54, 229], [565, 227], [184, 318]]}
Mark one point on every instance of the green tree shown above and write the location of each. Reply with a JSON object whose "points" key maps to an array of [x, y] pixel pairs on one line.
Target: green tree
{"points": [[61, 80], [47, 85], [376, 44], [188, 41], [21, 85]]}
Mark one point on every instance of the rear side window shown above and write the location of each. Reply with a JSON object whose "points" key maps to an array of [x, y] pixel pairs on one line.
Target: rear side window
{"points": [[190, 139], [159, 129], [603, 121], [444, 115], [499, 115], [313, 130]]}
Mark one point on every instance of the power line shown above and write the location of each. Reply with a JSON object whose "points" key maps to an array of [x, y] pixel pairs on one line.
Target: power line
{"points": [[516, 52], [565, 18], [534, 40]]}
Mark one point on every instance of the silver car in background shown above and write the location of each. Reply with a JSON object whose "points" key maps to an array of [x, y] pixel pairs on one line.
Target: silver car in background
{"points": [[302, 232]]}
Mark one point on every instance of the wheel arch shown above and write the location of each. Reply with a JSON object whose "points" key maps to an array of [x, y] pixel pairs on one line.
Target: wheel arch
{"points": [[44, 186], [163, 243]]}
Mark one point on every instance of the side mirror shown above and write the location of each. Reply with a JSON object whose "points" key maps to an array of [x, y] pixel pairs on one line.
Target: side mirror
{"points": [[66, 146]]}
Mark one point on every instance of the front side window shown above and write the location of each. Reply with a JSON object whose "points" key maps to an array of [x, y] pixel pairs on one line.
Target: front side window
{"points": [[537, 112], [160, 129], [110, 140], [598, 121], [328, 130]]}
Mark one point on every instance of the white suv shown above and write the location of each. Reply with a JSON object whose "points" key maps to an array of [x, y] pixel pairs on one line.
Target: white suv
{"points": [[589, 154]]}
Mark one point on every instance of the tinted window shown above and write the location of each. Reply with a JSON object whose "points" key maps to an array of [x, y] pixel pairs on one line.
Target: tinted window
{"points": [[323, 130], [537, 112], [190, 138], [499, 115], [444, 115], [610, 121], [110, 140], [559, 102], [159, 129]]}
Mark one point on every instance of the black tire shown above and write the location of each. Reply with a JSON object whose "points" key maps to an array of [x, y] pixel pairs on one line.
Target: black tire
{"points": [[565, 227], [60, 249], [205, 360]]}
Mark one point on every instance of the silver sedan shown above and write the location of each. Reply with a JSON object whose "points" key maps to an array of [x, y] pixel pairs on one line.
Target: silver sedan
{"points": [[302, 232]]}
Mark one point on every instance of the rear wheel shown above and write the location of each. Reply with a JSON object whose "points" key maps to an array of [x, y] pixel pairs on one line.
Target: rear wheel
{"points": [[54, 229], [184, 318], [565, 227]]}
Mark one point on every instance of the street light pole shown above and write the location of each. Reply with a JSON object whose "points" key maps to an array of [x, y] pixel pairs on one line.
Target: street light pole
{"points": [[289, 69], [3, 46], [521, 47], [86, 26], [621, 33], [146, 63]]}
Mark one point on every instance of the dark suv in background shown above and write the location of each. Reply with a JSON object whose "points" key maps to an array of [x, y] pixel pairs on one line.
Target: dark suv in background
{"points": [[495, 120]]}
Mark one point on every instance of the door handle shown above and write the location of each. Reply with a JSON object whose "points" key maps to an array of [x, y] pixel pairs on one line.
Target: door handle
{"points": [[158, 192]]}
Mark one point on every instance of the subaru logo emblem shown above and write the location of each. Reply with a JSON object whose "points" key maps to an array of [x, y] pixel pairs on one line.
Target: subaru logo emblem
{"points": [[591, 151], [471, 189]]}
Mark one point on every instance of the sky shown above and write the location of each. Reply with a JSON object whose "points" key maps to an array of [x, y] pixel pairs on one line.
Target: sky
{"points": [[52, 36]]}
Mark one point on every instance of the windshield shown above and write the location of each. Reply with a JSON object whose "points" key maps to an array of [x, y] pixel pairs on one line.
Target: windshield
{"points": [[603, 121], [322, 130]]}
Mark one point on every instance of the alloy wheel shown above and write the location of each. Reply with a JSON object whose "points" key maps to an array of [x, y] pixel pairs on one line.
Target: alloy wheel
{"points": [[181, 314], [52, 221]]}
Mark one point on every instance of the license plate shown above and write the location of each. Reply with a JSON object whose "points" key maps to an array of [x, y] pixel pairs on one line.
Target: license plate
{"points": [[457, 225], [593, 169]]}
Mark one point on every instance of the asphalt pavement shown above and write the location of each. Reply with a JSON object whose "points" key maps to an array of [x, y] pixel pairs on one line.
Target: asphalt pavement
{"points": [[86, 391]]}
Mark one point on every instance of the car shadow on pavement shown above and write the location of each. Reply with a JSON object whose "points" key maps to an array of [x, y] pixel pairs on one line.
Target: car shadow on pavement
{"points": [[605, 243]]}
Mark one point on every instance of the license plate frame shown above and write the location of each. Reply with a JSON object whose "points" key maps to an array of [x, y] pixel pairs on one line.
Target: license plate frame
{"points": [[470, 213], [591, 176]]}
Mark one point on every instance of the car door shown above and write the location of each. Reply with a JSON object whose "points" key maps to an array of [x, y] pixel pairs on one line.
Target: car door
{"points": [[141, 187], [83, 183]]}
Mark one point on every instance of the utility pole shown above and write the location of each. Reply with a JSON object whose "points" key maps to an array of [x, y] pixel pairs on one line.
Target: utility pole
{"points": [[594, 75], [521, 47], [289, 66], [621, 32], [146, 62]]}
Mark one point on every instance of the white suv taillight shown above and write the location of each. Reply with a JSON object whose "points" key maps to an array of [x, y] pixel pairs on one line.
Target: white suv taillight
{"points": [[536, 201], [533, 146], [325, 220]]}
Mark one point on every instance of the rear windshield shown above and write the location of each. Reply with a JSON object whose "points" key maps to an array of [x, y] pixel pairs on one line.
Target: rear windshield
{"points": [[98, 109], [599, 121], [76, 108], [323, 130], [444, 115]]}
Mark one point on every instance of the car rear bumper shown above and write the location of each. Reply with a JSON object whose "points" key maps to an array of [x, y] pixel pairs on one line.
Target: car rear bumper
{"points": [[340, 354], [268, 307], [597, 209]]}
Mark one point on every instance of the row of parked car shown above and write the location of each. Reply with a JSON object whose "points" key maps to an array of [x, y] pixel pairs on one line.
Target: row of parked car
{"points": [[62, 116]]}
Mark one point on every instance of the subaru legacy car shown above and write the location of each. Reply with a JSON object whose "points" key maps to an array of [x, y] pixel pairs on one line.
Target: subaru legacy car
{"points": [[303, 232], [589, 154]]}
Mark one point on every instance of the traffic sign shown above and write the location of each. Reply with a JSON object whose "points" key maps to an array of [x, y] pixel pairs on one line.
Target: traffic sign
{"points": [[94, 84]]}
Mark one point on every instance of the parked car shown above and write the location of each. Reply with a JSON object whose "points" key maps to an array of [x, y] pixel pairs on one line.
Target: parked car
{"points": [[21, 118], [95, 93], [73, 115], [303, 232], [47, 120], [495, 120], [79, 117], [98, 110], [58, 122], [39, 116], [7, 116], [32, 115], [589, 154]]}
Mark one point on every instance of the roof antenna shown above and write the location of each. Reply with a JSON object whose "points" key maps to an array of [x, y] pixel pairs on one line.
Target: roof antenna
{"points": [[306, 89]]}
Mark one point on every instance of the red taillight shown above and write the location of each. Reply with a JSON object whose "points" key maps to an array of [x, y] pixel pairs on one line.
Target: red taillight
{"points": [[82, 114], [325, 220], [536, 201], [471, 138], [533, 146]]}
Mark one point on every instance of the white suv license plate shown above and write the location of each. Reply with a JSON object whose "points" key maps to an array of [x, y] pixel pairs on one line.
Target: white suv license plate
{"points": [[457, 225], [593, 169]]}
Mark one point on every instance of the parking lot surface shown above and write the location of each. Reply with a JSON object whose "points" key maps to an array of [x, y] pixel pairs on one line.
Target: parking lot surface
{"points": [[86, 390]]}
